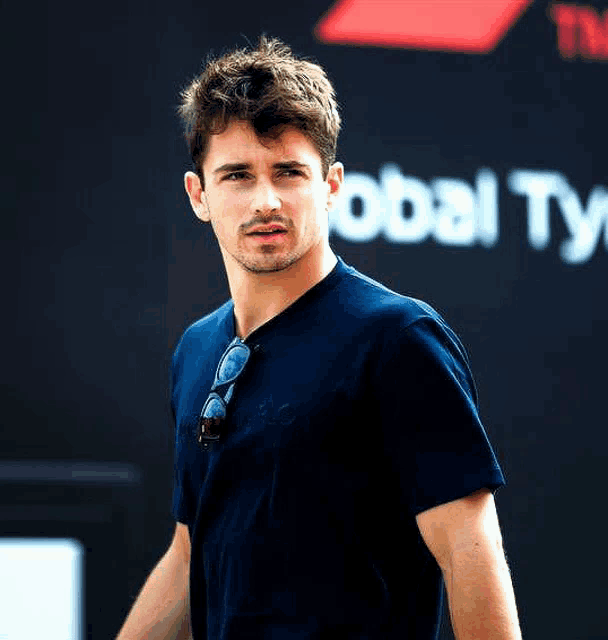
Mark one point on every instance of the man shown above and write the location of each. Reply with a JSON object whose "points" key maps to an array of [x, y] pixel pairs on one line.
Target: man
{"points": [[331, 467]]}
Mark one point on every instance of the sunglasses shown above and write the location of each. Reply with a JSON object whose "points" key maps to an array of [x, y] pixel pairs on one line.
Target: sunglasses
{"points": [[229, 368]]}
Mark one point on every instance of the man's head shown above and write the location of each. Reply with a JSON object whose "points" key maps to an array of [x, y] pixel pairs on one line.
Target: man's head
{"points": [[262, 127], [269, 88]]}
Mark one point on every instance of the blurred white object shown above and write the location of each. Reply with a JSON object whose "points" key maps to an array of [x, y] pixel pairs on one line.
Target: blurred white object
{"points": [[41, 583]]}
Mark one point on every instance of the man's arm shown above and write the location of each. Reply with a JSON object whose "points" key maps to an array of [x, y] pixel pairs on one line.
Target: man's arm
{"points": [[464, 536], [161, 611]]}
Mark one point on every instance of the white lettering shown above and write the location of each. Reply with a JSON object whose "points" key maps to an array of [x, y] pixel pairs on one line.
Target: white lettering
{"points": [[538, 186], [486, 210], [398, 191], [367, 225], [406, 209], [455, 212], [585, 229]]}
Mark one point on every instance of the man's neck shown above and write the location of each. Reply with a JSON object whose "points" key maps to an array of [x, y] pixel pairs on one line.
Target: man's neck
{"points": [[258, 297]]}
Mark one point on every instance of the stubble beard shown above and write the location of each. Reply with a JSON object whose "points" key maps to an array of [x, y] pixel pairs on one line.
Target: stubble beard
{"points": [[267, 263], [270, 263], [270, 259]]}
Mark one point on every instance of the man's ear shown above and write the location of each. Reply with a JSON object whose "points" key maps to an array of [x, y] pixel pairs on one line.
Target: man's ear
{"points": [[335, 180], [195, 192]]}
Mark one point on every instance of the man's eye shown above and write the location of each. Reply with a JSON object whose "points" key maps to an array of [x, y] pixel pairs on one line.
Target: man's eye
{"points": [[291, 172], [235, 176]]}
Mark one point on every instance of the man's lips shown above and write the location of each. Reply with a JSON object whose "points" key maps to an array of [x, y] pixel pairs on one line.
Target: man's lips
{"points": [[269, 234], [272, 236], [267, 230]]}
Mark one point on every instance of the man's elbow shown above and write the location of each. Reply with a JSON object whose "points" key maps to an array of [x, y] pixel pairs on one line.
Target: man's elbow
{"points": [[472, 550]]}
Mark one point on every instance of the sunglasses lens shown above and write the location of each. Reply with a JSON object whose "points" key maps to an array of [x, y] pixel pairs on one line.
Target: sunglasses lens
{"points": [[232, 364], [214, 407]]}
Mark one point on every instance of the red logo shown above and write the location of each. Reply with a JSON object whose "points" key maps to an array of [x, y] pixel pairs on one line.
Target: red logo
{"points": [[469, 26], [581, 31]]}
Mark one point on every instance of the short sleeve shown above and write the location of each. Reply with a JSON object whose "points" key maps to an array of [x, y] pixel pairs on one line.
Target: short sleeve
{"points": [[182, 507], [431, 430], [182, 503]]}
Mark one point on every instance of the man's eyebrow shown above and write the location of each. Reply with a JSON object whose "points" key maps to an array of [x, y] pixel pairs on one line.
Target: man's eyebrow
{"points": [[245, 166], [232, 166], [291, 164]]}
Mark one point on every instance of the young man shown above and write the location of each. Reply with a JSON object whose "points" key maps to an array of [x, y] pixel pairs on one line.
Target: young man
{"points": [[331, 467]]}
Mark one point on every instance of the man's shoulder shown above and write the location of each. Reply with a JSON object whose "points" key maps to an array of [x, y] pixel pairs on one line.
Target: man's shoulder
{"points": [[214, 325], [212, 321], [368, 298]]}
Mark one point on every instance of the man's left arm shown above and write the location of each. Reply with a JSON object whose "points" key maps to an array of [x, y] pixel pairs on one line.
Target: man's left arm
{"points": [[464, 537]]}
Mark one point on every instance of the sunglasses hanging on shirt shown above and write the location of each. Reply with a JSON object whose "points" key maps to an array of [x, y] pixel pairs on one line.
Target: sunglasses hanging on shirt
{"points": [[231, 365]]}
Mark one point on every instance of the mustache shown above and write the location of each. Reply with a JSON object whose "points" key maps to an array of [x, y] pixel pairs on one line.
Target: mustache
{"points": [[261, 220]]}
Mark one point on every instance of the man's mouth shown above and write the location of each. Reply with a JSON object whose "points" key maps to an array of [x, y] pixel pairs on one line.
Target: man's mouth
{"points": [[267, 230], [268, 233]]}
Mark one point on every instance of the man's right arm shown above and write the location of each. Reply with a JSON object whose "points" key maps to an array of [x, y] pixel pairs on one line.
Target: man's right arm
{"points": [[161, 611]]}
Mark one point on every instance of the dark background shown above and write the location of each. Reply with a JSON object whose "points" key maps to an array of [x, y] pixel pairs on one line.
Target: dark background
{"points": [[105, 265]]}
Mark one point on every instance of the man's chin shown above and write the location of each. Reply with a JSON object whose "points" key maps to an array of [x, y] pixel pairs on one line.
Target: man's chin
{"points": [[268, 264]]}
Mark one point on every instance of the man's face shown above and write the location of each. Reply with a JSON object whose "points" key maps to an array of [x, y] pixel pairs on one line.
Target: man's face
{"points": [[266, 200]]}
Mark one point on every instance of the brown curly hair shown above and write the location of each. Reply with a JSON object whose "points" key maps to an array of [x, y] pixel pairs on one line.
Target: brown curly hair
{"points": [[268, 87]]}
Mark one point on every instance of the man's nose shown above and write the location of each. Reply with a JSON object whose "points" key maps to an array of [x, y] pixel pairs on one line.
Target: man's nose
{"points": [[266, 198]]}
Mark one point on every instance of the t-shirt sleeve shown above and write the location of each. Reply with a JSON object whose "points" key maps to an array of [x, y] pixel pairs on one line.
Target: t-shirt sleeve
{"points": [[180, 508], [432, 433], [182, 504], [182, 495]]}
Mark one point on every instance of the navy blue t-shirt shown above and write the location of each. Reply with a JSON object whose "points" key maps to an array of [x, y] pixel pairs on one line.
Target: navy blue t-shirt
{"points": [[355, 412]]}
